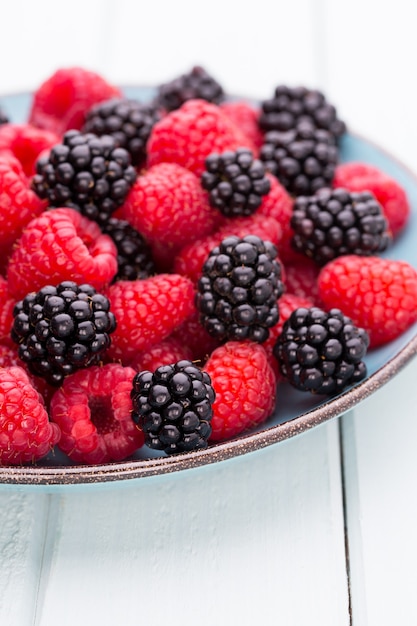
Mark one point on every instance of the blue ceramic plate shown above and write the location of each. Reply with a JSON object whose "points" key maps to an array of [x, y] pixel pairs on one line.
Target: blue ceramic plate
{"points": [[296, 411]]}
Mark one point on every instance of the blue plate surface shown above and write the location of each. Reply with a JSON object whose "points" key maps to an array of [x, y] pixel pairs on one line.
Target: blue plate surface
{"points": [[296, 411]]}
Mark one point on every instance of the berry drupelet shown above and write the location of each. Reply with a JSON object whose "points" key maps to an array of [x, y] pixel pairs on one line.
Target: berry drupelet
{"points": [[291, 105], [128, 121], [239, 288], [321, 351], [334, 222], [134, 255], [195, 84], [173, 407], [236, 182], [303, 158], [86, 173], [62, 328]]}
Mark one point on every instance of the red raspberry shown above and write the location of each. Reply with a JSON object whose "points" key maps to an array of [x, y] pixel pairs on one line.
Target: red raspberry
{"points": [[6, 312], [279, 205], [246, 117], [379, 295], [165, 352], [192, 334], [93, 410], [59, 245], [147, 311], [389, 193], [300, 278], [190, 259], [189, 134], [245, 388], [62, 100], [9, 357], [26, 435], [26, 143], [169, 207], [18, 205]]}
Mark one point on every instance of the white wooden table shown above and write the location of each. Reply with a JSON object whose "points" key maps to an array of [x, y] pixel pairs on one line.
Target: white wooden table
{"points": [[318, 530]]}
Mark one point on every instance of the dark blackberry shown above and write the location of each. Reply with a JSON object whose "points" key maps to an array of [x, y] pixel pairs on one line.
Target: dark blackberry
{"points": [[291, 105], [62, 328], [134, 256], [236, 182], [320, 351], [195, 84], [173, 407], [303, 158], [4, 119], [333, 222], [129, 122], [87, 173], [239, 288]]}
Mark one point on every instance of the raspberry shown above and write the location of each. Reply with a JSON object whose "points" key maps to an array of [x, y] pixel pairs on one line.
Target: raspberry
{"points": [[301, 275], [246, 117], [236, 182], [167, 351], [191, 258], [26, 435], [389, 193], [334, 222], [61, 329], [93, 410], [6, 312], [9, 357], [194, 337], [380, 295], [18, 206], [61, 245], [134, 256], [195, 84], [26, 143], [238, 291], [173, 407], [321, 351], [279, 204], [188, 135], [61, 102], [147, 311], [86, 173], [168, 206], [245, 388]]}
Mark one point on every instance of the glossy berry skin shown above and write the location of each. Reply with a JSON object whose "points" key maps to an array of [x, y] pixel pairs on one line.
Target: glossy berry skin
{"points": [[197, 83], [239, 288], [134, 255], [321, 352], [62, 328], [173, 407], [87, 173], [379, 294], [236, 182], [26, 434], [334, 222]]}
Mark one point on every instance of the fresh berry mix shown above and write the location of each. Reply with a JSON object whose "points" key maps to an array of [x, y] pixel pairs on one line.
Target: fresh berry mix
{"points": [[236, 182], [196, 84], [321, 351], [291, 105], [129, 122], [336, 222], [86, 173], [134, 255], [62, 328], [238, 291], [139, 240], [173, 407]]}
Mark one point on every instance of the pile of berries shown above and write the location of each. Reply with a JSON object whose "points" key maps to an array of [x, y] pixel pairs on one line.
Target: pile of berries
{"points": [[167, 268]]}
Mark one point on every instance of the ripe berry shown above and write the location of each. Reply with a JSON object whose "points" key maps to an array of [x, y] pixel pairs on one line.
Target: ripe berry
{"points": [[26, 143], [134, 255], [173, 407], [197, 83]]}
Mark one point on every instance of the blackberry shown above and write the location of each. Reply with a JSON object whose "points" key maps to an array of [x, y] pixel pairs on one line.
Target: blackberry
{"points": [[173, 407], [303, 158], [195, 84], [129, 122], [134, 256], [61, 329], [236, 182], [86, 173], [238, 291], [291, 105], [3, 117], [321, 351], [333, 222]]}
